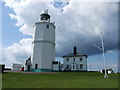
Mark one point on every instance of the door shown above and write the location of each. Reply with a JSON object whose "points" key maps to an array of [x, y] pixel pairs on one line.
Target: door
{"points": [[74, 66], [28, 68], [36, 66]]}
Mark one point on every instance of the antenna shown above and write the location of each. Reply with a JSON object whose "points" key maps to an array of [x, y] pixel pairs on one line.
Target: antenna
{"points": [[96, 46], [46, 11], [106, 75], [103, 50]]}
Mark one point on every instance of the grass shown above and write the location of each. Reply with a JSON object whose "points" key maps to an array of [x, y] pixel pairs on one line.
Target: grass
{"points": [[0, 80], [59, 80]]}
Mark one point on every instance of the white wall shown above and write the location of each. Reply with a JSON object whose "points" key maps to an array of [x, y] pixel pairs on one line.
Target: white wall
{"points": [[44, 45], [16, 67], [26, 65], [55, 67]]}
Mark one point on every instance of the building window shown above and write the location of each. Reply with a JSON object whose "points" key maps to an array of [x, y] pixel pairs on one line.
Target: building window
{"points": [[73, 66], [80, 59], [73, 59], [67, 59], [36, 66], [81, 66], [47, 26], [67, 66]]}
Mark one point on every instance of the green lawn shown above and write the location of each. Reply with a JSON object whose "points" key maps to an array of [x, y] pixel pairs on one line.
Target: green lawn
{"points": [[59, 80], [0, 80]]}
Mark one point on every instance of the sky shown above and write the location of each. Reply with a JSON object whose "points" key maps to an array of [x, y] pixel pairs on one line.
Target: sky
{"points": [[77, 24]]}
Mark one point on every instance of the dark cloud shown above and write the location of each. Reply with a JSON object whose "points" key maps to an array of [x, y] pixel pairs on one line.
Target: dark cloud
{"points": [[83, 28]]}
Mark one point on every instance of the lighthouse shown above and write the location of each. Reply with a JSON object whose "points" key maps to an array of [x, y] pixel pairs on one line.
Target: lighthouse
{"points": [[43, 44]]}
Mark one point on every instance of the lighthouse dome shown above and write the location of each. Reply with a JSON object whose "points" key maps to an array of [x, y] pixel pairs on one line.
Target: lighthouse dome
{"points": [[45, 16]]}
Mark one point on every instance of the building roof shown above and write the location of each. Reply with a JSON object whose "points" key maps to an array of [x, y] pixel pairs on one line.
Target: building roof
{"points": [[74, 55], [55, 62]]}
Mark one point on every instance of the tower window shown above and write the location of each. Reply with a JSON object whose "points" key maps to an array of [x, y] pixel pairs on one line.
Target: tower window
{"points": [[47, 26]]}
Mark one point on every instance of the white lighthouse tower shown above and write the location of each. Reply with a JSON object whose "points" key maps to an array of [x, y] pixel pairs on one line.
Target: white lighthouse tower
{"points": [[43, 44]]}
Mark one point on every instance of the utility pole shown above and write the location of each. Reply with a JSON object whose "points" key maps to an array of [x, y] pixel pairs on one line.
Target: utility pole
{"points": [[106, 75], [103, 50]]}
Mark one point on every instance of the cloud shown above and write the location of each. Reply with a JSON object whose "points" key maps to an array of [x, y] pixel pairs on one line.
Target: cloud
{"points": [[17, 53], [81, 25], [78, 25], [60, 4]]}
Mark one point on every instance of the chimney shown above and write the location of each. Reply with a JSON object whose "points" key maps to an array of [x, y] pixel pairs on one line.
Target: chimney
{"points": [[75, 50]]}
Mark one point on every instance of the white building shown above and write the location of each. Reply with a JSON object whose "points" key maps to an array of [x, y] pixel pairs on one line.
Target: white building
{"points": [[109, 71], [28, 65], [56, 66], [43, 44], [16, 67], [75, 62]]}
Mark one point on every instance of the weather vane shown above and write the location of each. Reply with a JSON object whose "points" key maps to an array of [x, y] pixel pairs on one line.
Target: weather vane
{"points": [[46, 11]]}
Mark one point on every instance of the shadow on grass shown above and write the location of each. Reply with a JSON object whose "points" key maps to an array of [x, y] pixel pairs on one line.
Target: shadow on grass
{"points": [[4, 73]]}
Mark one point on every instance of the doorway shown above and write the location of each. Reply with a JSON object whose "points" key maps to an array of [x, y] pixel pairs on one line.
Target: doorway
{"points": [[28, 68], [36, 66]]}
